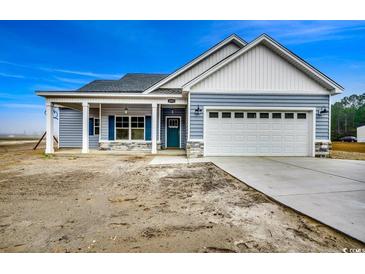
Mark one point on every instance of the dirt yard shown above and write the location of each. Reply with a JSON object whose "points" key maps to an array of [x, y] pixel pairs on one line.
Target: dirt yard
{"points": [[121, 204], [350, 151]]}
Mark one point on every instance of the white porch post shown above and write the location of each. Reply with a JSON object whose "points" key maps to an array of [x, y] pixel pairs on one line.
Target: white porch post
{"points": [[85, 127], [49, 128], [154, 128]]}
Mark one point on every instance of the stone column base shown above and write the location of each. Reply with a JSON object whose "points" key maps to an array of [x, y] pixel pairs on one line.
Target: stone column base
{"points": [[323, 148], [194, 149]]}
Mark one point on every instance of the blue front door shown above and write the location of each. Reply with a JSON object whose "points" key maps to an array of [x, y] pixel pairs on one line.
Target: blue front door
{"points": [[173, 132]]}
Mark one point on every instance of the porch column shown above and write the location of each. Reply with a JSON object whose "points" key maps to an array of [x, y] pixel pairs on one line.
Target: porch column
{"points": [[85, 127], [49, 128], [154, 128]]}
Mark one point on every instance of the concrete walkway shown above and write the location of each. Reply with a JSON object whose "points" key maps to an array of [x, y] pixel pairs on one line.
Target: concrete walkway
{"points": [[331, 191]]}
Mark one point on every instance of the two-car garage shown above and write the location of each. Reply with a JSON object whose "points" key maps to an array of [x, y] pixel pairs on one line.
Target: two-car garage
{"points": [[258, 132]]}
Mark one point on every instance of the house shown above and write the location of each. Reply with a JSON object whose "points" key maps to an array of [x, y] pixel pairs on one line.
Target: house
{"points": [[237, 98], [361, 134]]}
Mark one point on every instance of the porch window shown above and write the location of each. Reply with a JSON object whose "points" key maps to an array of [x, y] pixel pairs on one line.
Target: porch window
{"points": [[129, 127], [122, 128], [137, 126], [96, 126]]}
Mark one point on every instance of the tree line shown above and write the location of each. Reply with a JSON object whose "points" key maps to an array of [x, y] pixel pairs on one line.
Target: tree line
{"points": [[347, 115]]}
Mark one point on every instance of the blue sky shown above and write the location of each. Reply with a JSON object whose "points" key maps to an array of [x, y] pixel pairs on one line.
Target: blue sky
{"points": [[52, 55]]}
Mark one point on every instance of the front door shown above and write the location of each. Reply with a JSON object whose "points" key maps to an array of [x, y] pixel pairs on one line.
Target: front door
{"points": [[173, 132]]}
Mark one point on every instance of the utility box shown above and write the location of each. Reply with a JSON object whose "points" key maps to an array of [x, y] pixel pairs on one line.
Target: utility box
{"points": [[361, 134]]}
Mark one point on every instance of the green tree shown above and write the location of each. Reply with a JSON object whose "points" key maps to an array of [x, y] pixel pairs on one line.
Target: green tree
{"points": [[347, 115]]}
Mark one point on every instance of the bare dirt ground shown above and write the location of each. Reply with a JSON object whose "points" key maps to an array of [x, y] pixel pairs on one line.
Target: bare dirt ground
{"points": [[120, 204], [349, 151]]}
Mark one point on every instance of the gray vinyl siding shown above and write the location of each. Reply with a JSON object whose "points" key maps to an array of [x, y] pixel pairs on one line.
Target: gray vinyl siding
{"points": [[70, 128], [254, 100], [180, 112]]}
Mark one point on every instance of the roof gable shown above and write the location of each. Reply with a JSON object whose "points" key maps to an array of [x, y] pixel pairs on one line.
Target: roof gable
{"points": [[281, 51], [231, 39]]}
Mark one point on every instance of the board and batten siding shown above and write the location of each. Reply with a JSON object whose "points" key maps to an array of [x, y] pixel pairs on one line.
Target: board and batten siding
{"points": [[180, 112], [118, 110], [261, 70], [202, 66], [70, 128], [255, 100]]}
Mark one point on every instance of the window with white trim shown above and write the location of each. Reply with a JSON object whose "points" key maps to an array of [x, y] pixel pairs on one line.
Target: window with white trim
{"points": [[239, 115], [226, 115], [173, 123], [137, 128], [289, 115], [301, 116], [122, 128], [96, 126], [251, 115], [213, 114]]}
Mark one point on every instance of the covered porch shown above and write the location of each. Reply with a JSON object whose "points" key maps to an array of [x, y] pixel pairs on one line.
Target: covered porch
{"points": [[118, 127]]}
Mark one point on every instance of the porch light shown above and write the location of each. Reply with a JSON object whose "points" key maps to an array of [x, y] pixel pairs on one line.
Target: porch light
{"points": [[198, 110], [323, 110], [126, 111]]}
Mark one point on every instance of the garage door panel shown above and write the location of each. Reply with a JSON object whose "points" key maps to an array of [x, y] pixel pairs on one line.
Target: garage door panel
{"points": [[257, 136]]}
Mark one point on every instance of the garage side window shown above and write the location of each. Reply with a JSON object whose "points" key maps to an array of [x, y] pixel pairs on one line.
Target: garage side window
{"points": [[213, 114], [251, 115], [301, 116], [289, 115], [238, 115]]}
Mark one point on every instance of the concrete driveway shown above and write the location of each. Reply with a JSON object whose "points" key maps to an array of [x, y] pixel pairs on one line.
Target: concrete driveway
{"points": [[331, 191]]}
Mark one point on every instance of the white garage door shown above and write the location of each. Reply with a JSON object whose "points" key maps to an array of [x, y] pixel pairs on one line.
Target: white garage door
{"points": [[261, 133]]}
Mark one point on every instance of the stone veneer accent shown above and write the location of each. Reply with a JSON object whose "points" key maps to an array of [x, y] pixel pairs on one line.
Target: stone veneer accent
{"points": [[323, 148], [126, 146], [194, 149]]}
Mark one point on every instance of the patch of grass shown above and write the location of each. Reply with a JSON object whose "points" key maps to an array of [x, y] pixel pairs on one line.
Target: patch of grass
{"points": [[349, 147], [48, 156]]}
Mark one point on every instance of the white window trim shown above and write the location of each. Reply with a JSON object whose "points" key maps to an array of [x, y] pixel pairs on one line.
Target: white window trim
{"points": [[178, 117], [129, 128]]}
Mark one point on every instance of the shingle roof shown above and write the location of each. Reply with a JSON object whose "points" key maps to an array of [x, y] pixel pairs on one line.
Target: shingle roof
{"points": [[131, 82], [167, 91]]}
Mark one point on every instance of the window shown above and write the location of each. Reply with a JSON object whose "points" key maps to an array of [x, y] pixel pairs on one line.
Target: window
{"points": [[289, 115], [251, 115], [96, 126], [264, 115], [301, 116], [122, 128], [226, 115], [137, 128], [173, 123], [276, 115], [238, 115], [213, 114]]}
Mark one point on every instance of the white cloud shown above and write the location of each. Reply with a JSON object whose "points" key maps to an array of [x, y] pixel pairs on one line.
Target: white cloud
{"points": [[2, 74], [71, 80], [84, 73]]}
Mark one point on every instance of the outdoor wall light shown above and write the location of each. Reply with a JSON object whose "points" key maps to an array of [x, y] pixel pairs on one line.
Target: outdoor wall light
{"points": [[322, 111], [126, 111], [198, 110]]}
